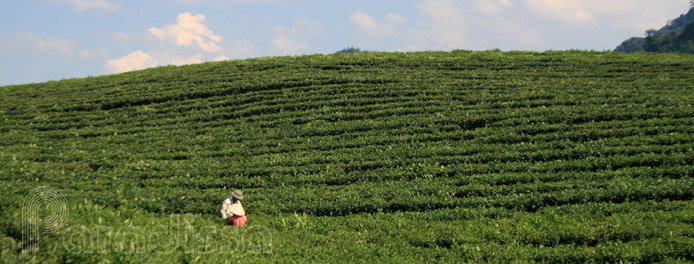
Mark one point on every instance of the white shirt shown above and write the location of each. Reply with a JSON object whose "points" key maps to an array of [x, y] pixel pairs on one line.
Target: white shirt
{"points": [[224, 206]]}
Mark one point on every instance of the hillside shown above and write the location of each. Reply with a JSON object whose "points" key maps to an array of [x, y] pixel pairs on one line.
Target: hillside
{"points": [[675, 37], [368, 157]]}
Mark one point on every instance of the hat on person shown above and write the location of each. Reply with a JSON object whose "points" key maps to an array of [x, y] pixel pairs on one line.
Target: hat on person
{"points": [[236, 209], [238, 194]]}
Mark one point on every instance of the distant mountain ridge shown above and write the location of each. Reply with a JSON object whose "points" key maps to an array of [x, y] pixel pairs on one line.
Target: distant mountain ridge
{"points": [[676, 37]]}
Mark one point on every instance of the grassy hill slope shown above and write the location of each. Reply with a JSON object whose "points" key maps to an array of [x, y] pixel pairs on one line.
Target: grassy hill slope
{"points": [[432, 156]]}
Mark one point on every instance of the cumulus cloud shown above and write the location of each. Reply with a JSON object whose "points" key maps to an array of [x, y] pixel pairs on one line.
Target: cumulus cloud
{"points": [[134, 61], [363, 20], [189, 31], [188, 41]]}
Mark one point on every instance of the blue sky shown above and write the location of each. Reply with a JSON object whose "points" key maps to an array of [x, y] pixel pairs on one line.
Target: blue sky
{"points": [[43, 40]]}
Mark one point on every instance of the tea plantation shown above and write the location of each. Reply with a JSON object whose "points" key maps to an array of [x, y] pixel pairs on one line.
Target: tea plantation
{"points": [[560, 156]]}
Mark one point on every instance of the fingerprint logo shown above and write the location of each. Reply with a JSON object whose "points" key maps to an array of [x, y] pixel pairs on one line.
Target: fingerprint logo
{"points": [[44, 210]]}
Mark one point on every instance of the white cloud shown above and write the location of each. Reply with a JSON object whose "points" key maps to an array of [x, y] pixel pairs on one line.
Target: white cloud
{"points": [[621, 13], [134, 61], [599, 24], [569, 11], [285, 46], [221, 58], [183, 61], [188, 41], [373, 27], [483, 24], [99, 6], [492, 7], [290, 41], [596, 24], [190, 32], [256, 1], [60, 47], [199, 2], [94, 54], [449, 26], [516, 24], [189, 2], [96, 5], [119, 37], [363, 20], [396, 19], [506, 2]]}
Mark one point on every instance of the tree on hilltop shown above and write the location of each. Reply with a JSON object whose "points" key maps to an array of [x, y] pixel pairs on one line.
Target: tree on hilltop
{"points": [[349, 50]]}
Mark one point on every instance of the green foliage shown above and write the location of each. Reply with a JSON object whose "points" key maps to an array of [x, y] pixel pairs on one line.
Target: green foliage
{"points": [[457, 156], [673, 42], [675, 37]]}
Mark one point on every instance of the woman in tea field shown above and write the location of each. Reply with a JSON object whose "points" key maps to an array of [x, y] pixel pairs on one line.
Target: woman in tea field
{"points": [[232, 209]]}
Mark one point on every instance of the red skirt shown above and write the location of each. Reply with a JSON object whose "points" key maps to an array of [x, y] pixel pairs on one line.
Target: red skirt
{"points": [[238, 220]]}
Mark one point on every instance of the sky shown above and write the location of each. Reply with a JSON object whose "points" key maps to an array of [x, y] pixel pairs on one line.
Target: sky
{"points": [[42, 40]]}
